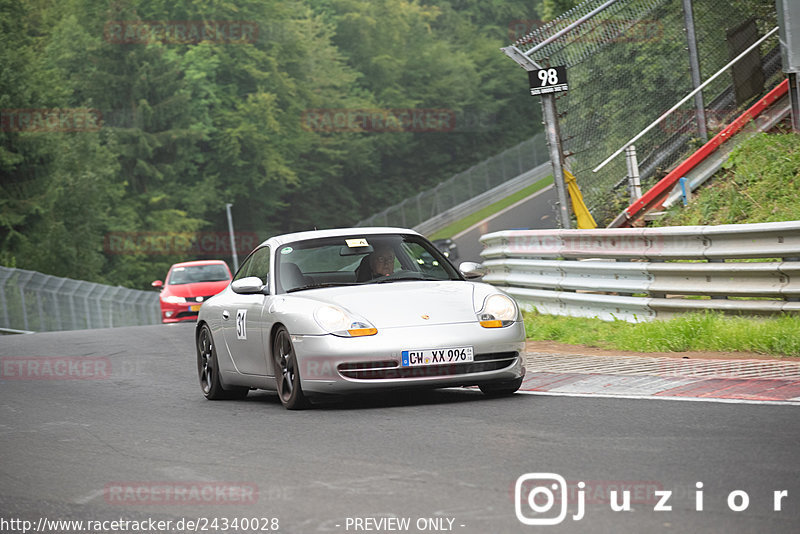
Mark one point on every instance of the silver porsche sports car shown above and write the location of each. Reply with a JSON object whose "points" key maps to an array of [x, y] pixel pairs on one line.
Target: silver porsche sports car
{"points": [[337, 311]]}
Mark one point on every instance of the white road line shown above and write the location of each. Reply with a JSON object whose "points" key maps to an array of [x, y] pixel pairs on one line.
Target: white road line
{"points": [[653, 397], [86, 499], [504, 210]]}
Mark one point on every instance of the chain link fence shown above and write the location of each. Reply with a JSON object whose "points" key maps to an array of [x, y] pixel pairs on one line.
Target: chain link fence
{"points": [[629, 63], [464, 186], [36, 302]]}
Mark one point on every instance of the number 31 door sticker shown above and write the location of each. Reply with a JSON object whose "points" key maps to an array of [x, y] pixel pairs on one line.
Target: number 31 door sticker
{"points": [[241, 324]]}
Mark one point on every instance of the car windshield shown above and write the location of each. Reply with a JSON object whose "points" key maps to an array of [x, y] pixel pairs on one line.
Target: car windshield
{"points": [[360, 259], [197, 273]]}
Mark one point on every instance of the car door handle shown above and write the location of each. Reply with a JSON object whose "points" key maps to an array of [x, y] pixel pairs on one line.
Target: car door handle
{"points": [[226, 315]]}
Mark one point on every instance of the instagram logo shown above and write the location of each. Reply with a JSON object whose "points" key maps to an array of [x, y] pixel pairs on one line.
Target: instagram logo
{"points": [[540, 491]]}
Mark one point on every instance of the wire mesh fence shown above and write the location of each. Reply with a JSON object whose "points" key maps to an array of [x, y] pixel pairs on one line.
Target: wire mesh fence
{"points": [[36, 302], [628, 64], [464, 186]]}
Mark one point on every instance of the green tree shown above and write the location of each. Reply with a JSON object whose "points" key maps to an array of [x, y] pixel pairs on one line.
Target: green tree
{"points": [[57, 188], [188, 127], [551, 9]]}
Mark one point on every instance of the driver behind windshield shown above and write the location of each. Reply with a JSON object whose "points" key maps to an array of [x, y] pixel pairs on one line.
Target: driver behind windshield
{"points": [[380, 262]]}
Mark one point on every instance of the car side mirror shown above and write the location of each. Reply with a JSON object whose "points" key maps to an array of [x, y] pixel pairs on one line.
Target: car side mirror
{"points": [[472, 270], [158, 284], [250, 285]]}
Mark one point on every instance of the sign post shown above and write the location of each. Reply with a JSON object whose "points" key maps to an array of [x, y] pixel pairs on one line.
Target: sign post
{"points": [[554, 144], [789, 23], [547, 82], [233, 241]]}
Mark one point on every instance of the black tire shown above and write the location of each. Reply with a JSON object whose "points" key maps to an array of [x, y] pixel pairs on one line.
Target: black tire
{"points": [[502, 389], [287, 372], [208, 370]]}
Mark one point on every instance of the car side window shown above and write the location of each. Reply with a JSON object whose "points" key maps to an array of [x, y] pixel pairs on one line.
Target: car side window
{"points": [[242, 272], [257, 264], [260, 264]]}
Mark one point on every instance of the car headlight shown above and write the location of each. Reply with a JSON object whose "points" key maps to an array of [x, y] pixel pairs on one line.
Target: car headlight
{"points": [[340, 323], [172, 299], [497, 311]]}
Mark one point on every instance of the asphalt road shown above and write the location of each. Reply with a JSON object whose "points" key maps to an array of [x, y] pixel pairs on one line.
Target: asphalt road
{"points": [[536, 212], [134, 439]]}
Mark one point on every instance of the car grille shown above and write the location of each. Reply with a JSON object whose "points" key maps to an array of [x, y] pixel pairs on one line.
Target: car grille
{"points": [[389, 369], [191, 300], [190, 314]]}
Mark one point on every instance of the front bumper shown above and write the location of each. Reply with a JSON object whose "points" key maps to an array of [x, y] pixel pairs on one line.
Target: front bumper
{"points": [[176, 313], [332, 365]]}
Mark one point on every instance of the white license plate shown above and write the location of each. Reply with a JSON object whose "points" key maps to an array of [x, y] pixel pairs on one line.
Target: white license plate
{"points": [[412, 358]]}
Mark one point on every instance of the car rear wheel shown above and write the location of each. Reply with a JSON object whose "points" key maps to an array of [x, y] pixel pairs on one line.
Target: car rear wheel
{"points": [[287, 372], [208, 369], [502, 389]]}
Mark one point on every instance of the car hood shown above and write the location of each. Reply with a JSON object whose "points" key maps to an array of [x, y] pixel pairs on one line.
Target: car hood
{"points": [[198, 289], [404, 303]]}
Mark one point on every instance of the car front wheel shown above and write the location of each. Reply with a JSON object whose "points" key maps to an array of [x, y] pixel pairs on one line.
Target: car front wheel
{"points": [[208, 370], [287, 372]]}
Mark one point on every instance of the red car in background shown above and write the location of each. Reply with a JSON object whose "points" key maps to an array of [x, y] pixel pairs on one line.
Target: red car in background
{"points": [[188, 285]]}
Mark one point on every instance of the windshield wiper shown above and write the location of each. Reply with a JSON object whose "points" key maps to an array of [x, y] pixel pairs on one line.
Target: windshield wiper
{"points": [[387, 279], [319, 285]]}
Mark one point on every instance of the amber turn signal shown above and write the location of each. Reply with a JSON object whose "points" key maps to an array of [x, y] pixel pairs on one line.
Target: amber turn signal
{"points": [[356, 332]]}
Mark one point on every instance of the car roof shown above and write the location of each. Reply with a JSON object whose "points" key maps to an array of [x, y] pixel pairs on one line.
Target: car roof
{"points": [[314, 234]]}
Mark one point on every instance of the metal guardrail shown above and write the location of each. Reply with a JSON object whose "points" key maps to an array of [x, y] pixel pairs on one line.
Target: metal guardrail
{"points": [[489, 180], [642, 274], [36, 302], [485, 199]]}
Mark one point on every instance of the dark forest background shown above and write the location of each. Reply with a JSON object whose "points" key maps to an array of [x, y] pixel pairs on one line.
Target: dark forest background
{"points": [[183, 127]]}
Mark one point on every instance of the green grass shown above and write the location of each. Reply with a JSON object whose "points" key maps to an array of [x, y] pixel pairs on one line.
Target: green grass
{"points": [[760, 182], [707, 331], [478, 216]]}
